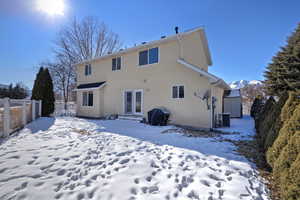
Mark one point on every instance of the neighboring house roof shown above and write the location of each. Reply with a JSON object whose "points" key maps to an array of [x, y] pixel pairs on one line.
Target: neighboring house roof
{"points": [[232, 93], [90, 86], [156, 42], [4, 86], [212, 78]]}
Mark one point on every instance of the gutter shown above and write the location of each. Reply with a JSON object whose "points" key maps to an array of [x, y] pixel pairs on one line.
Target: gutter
{"points": [[88, 89], [214, 80]]}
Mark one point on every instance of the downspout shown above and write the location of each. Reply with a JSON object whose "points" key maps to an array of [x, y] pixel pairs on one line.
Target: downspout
{"points": [[212, 113], [211, 107]]}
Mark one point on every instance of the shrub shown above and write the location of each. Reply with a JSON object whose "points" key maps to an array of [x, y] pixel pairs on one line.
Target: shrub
{"points": [[263, 121], [276, 120], [286, 113], [286, 166]]}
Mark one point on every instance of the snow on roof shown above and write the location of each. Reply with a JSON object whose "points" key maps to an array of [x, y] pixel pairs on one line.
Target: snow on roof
{"points": [[232, 93]]}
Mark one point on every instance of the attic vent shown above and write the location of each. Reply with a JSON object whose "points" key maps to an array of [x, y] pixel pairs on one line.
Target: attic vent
{"points": [[144, 42], [162, 37]]}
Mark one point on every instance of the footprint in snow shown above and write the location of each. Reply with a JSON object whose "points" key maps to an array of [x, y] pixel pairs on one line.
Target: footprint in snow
{"points": [[22, 186], [124, 161], [205, 182], [133, 191], [136, 181]]}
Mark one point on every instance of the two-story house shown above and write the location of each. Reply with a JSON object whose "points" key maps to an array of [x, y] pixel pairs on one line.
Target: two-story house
{"points": [[171, 72]]}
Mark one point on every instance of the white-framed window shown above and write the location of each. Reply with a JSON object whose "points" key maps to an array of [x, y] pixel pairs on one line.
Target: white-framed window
{"points": [[88, 69], [87, 98], [178, 92], [116, 63], [149, 56]]}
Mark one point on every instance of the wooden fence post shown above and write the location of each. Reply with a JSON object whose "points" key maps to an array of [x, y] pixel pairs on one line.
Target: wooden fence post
{"points": [[24, 120], [40, 108], [33, 109], [6, 117]]}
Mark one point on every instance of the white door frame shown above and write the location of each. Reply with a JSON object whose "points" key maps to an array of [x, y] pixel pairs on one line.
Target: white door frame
{"points": [[133, 91]]}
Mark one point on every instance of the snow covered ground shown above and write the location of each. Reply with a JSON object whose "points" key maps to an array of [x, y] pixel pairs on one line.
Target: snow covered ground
{"points": [[71, 158], [243, 126]]}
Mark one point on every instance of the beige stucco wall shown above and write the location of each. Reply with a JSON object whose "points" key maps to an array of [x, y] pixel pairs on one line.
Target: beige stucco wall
{"points": [[156, 81], [90, 111]]}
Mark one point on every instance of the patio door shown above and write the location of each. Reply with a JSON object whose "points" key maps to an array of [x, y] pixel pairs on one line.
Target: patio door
{"points": [[133, 102]]}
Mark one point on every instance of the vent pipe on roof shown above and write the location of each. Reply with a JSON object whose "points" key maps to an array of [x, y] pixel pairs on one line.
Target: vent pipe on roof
{"points": [[176, 29]]}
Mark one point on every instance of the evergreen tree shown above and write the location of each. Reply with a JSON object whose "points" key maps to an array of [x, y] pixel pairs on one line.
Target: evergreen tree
{"points": [[43, 90], [262, 122], [275, 120], [283, 74], [286, 166], [256, 107], [38, 86], [48, 100]]}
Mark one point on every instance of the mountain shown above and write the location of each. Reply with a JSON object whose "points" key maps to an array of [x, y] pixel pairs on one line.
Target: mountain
{"points": [[242, 83]]}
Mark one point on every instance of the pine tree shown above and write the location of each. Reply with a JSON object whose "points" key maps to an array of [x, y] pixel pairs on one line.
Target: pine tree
{"points": [[48, 98], [283, 74], [38, 86], [286, 113], [276, 120], [43, 90], [263, 122], [286, 165], [256, 107]]}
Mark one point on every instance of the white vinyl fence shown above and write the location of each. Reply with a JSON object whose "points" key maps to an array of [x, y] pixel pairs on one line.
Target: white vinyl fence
{"points": [[61, 111], [16, 113]]}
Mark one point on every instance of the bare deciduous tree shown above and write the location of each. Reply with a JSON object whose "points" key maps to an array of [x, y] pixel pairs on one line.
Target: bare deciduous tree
{"points": [[249, 93], [78, 41]]}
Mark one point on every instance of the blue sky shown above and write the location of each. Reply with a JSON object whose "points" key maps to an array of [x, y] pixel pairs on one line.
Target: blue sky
{"points": [[243, 35]]}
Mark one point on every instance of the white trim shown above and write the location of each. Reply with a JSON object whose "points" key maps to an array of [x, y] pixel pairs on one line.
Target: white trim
{"points": [[212, 78], [177, 85], [116, 63], [147, 65], [88, 93], [89, 70], [147, 45], [93, 88], [133, 92], [142, 101]]}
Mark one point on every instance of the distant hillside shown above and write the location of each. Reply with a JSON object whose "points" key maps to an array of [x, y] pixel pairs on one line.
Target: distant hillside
{"points": [[242, 83]]}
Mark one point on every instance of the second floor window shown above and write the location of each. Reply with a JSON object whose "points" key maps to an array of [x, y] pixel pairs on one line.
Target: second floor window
{"points": [[116, 64], [88, 69], [149, 56]]}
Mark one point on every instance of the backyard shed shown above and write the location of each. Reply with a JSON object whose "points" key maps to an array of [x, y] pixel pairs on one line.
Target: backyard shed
{"points": [[233, 103]]}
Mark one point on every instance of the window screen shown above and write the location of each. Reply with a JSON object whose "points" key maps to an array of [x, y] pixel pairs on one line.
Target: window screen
{"points": [[118, 63], [84, 98], [178, 92], [88, 70], [153, 55], [90, 99], [174, 91], [114, 64], [143, 57], [181, 92]]}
